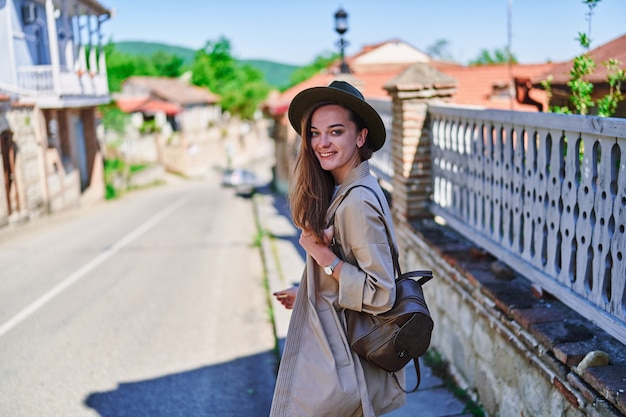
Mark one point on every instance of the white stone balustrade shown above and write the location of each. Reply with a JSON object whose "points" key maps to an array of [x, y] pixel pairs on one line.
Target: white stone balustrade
{"points": [[546, 194]]}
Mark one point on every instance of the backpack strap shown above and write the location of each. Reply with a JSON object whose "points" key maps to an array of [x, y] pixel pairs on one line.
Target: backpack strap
{"points": [[424, 277], [418, 374], [394, 250]]}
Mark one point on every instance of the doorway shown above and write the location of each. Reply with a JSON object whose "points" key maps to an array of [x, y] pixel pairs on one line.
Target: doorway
{"points": [[8, 148]]}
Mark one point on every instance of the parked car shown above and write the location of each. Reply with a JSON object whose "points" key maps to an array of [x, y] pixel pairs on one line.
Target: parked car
{"points": [[245, 182]]}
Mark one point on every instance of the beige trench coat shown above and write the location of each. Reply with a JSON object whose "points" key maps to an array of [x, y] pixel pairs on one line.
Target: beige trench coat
{"points": [[319, 374]]}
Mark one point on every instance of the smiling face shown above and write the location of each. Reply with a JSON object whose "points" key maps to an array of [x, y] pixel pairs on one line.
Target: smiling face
{"points": [[336, 141]]}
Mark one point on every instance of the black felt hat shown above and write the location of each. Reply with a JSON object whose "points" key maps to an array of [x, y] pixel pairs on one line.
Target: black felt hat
{"points": [[347, 95]]}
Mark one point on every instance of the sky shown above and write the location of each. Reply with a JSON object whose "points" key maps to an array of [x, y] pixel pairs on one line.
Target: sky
{"points": [[296, 31]]}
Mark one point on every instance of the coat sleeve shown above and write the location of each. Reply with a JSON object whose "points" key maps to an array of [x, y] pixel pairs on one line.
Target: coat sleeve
{"points": [[367, 280]]}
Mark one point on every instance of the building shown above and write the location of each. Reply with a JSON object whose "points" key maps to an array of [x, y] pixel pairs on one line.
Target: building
{"points": [[52, 78], [172, 115]]}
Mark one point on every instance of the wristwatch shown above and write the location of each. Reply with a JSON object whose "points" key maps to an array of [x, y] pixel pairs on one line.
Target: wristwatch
{"points": [[328, 269]]}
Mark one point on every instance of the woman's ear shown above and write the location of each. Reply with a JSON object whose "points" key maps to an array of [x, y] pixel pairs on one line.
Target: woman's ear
{"points": [[361, 137]]}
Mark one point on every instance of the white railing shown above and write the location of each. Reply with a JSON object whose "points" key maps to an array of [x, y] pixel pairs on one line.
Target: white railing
{"points": [[382, 161], [546, 194], [78, 80], [38, 81], [36, 78]]}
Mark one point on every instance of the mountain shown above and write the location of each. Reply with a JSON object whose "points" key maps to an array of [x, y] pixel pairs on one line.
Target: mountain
{"points": [[276, 74]]}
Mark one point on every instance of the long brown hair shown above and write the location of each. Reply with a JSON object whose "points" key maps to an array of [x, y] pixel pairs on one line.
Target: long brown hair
{"points": [[311, 188]]}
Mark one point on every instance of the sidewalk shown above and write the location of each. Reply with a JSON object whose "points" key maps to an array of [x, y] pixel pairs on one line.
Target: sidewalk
{"points": [[284, 264]]}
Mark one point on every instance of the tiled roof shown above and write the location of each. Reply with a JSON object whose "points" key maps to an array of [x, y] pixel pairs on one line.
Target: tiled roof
{"points": [[370, 84], [486, 86], [613, 49], [169, 89], [95, 8], [147, 105], [477, 85]]}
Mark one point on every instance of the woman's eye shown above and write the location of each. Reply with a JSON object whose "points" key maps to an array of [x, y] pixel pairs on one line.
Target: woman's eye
{"points": [[314, 134], [336, 132]]}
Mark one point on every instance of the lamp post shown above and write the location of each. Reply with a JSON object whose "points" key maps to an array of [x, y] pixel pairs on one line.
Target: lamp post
{"points": [[341, 27]]}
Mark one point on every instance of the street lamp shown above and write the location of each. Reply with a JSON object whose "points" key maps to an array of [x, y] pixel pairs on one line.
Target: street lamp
{"points": [[341, 27]]}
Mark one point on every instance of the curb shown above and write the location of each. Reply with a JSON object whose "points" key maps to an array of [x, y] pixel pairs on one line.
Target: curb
{"points": [[282, 262]]}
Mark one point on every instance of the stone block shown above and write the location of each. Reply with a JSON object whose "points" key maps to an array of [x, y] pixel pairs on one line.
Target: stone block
{"points": [[540, 313], [488, 390], [508, 295], [589, 394], [482, 340], [535, 392], [557, 406], [611, 382], [502, 270], [572, 353], [510, 366], [553, 333], [566, 392]]}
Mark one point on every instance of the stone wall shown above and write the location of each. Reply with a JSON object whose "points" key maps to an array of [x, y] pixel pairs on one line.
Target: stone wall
{"points": [[516, 353], [46, 177], [63, 187], [27, 195], [286, 148]]}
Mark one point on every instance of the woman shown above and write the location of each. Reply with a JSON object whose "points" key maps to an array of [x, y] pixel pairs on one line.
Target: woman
{"points": [[319, 374]]}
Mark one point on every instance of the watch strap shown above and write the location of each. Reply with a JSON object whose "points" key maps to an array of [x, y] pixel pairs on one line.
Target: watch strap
{"points": [[332, 265]]}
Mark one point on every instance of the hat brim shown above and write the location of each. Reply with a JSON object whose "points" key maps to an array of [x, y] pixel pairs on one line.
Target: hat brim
{"points": [[304, 100]]}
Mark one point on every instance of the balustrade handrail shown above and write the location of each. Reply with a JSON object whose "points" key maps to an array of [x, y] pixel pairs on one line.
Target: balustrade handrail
{"points": [[35, 78], [544, 193], [38, 80]]}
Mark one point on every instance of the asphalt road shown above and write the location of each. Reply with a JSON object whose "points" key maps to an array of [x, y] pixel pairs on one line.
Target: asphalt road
{"points": [[151, 305]]}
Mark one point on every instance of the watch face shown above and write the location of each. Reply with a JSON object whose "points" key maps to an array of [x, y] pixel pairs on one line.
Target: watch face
{"points": [[328, 269]]}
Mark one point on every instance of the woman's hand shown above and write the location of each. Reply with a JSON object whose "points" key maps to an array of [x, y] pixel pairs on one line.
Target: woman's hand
{"points": [[287, 297], [319, 250]]}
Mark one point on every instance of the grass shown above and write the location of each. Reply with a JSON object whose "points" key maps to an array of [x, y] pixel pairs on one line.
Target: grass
{"points": [[116, 175], [440, 369], [257, 242]]}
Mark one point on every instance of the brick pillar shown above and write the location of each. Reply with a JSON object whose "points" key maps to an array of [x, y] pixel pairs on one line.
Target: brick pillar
{"points": [[411, 92]]}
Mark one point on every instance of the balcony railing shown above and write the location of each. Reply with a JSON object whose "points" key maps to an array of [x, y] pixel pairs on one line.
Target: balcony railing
{"points": [[39, 81], [546, 194], [36, 78]]}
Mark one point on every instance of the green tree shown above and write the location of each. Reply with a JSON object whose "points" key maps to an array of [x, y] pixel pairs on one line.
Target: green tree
{"points": [[580, 86], [214, 67], [241, 87], [607, 105], [498, 56], [114, 119], [120, 66], [320, 63], [243, 94], [440, 49], [166, 65]]}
